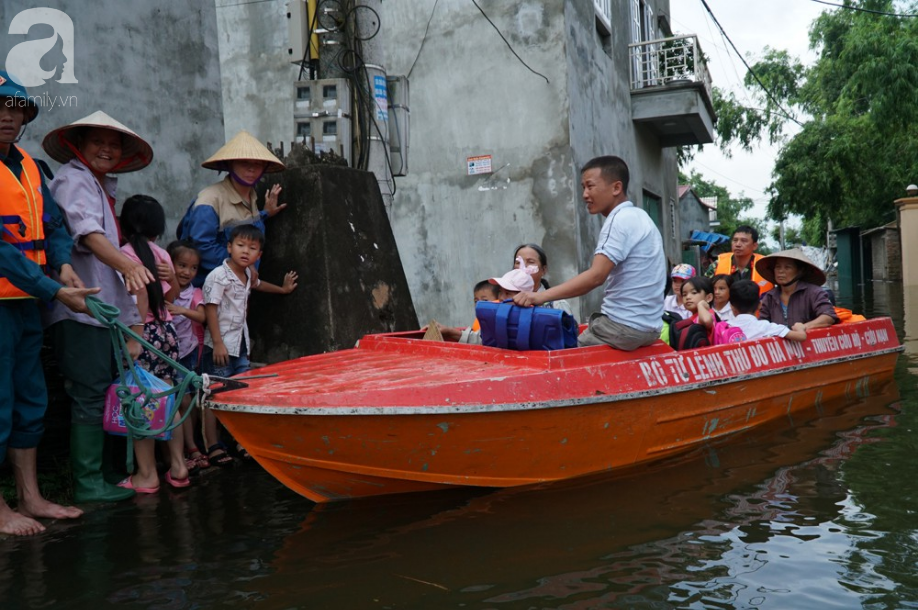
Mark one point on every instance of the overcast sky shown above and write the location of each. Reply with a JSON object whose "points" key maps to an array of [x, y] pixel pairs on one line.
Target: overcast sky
{"points": [[779, 24]]}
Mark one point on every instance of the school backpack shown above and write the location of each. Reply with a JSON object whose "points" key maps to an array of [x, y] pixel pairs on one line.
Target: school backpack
{"points": [[724, 333], [686, 334]]}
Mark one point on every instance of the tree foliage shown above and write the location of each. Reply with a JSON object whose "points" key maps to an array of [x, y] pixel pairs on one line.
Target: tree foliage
{"points": [[847, 123]]}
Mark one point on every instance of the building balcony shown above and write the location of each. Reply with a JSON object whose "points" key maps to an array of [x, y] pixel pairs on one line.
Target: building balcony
{"points": [[671, 90]]}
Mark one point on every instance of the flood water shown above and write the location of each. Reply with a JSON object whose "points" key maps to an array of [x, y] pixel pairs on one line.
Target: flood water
{"points": [[818, 512]]}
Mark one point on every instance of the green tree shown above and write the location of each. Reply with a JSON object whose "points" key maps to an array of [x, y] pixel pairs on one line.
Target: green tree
{"points": [[853, 151]]}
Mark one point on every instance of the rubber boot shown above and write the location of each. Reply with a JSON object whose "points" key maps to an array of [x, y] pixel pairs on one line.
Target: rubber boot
{"points": [[86, 448]]}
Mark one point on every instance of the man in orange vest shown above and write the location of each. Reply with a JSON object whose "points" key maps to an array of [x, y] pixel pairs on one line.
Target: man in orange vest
{"points": [[32, 237], [740, 263]]}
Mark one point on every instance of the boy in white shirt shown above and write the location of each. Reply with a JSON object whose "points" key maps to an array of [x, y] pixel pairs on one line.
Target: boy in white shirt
{"points": [[744, 300], [226, 299]]}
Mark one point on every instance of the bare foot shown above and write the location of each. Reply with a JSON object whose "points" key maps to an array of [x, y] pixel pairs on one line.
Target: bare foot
{"points": [[49, 510], [15, 524]]}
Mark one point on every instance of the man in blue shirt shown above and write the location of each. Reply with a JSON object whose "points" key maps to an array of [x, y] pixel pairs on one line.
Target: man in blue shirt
{"points": [[629, 259], [32, 235]]}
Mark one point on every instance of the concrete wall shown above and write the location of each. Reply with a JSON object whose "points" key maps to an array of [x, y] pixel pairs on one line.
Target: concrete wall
{"points": [[470, 96], [256, 72], [693, 216], [151, 65], [599, 83]]}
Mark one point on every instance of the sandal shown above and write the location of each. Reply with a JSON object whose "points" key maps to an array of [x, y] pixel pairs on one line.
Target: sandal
{"points": [[243, 453], [222, 459]]}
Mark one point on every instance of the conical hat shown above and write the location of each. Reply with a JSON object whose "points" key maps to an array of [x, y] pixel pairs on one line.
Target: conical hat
{"points": [[243, 147], [62, 143], [811, 273]]}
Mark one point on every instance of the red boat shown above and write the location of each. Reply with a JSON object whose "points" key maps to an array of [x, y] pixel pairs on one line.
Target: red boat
{"points": [[399, 414]]}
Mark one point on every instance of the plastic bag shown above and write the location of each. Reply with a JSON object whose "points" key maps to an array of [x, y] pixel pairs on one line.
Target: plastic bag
{"points": [[143, 415]]}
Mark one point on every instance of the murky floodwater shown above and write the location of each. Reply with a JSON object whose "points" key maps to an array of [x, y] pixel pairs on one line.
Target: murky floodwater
{"points": [[815, 513]]}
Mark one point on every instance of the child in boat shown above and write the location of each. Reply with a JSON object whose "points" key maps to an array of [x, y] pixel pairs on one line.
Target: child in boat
{"points": [[697, 298], [514, 281], [188, 318], [226, 298], [142, 221], [673, 302], [493, 289], [485, 291], [722, 307], [744, 299]]}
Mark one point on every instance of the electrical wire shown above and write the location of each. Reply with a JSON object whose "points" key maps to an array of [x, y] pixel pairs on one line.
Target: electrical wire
{"points": [[863, 10], [366, 102], [773, 99], [424, 39], [244, 3], [509, 46]]}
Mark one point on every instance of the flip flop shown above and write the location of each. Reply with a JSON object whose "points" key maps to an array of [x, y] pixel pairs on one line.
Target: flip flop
{"points": [[177, 483], [128, 483]]}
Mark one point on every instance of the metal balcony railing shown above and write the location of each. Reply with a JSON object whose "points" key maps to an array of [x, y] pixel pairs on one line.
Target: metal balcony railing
{"points": [[660, 62]]}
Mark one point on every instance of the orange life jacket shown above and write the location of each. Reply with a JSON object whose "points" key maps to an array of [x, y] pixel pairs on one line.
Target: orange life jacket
{"points": [[725, 267], [21, 213], [846, 316]]}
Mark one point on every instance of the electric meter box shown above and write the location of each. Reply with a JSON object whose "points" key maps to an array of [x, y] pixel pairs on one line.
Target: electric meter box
{"points": [[399, 116], [297, 28], [322, 115]]}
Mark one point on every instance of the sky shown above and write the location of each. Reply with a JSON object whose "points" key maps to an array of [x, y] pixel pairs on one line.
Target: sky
{"points": [[779, 24]]}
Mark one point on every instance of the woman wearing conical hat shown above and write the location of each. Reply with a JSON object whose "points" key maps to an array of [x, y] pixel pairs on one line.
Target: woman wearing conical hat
{"points": [[798, 295], [91, 149], [232, 201]]}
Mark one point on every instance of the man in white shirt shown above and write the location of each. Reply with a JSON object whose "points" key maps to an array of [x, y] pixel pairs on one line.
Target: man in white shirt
{"points": [[628, 258]]}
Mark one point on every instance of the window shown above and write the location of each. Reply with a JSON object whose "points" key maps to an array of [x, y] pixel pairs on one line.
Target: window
{"points": [[645, 71], [603, 16], [653, 205]]}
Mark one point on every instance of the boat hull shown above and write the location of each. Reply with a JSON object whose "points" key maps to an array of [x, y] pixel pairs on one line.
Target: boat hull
{"points": [[329, 454]]}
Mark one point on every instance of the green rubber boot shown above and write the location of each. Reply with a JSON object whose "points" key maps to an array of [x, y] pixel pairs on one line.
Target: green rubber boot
{"points": [[86, 447]]}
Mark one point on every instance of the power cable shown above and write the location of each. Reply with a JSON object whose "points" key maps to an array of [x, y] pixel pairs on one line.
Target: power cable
{"points": [[424, 39], [244, 3], [480, 10], [863, 10], [745, 63]]}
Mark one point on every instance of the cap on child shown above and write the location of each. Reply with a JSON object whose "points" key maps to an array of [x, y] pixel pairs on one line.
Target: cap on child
{"points": [[683, 271], [516, 280]]}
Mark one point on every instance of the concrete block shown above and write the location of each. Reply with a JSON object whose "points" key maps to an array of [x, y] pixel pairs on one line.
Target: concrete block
{"points": [[335, 234]]}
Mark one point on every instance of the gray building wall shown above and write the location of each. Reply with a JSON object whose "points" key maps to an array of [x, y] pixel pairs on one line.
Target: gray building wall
{"points": [[693, 215], [470, 96], [151, 65], [257, 75]]}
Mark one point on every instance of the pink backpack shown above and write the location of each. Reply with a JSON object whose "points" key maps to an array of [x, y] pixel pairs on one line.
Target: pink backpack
{"points": [[723, 333]]}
